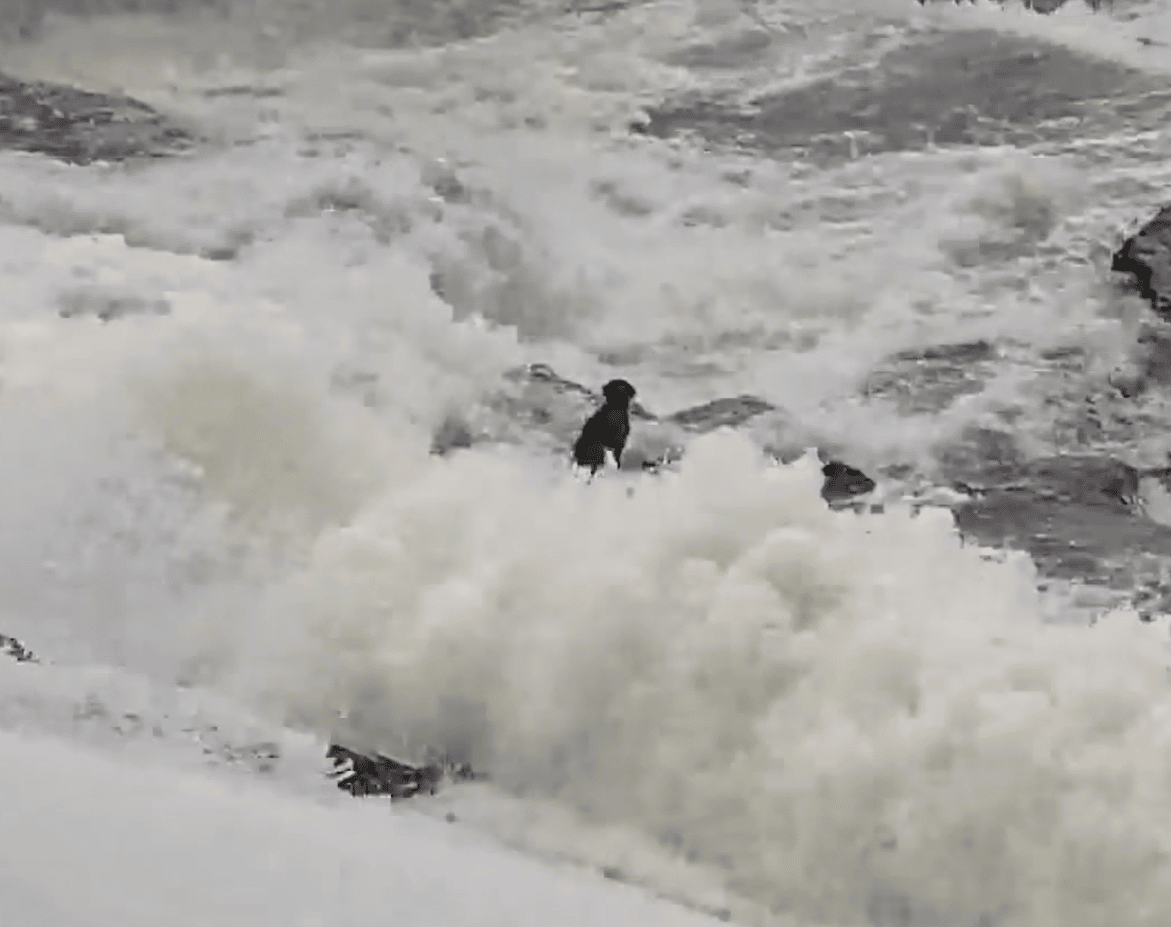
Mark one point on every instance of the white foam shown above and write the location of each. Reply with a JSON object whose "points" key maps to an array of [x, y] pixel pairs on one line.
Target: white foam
{"points": [[834, 715], [720, 658]]}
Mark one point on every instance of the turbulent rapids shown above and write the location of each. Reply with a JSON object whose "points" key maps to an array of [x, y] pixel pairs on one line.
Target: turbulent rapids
{"points": [[306, 305]]}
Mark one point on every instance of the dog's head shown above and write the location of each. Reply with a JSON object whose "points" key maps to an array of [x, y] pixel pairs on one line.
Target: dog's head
{"points": [[618, 393]]}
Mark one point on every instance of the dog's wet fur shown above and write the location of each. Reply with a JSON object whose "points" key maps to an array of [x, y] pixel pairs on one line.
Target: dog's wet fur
{"points": [[609, 427]]}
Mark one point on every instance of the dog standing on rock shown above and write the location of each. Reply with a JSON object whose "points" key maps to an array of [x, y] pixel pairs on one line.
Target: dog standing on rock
{"points": [[609, 427]]}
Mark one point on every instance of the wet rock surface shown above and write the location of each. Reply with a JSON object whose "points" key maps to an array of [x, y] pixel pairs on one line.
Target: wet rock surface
{"points": [[542, 406], [378, 774], [931, 379], [1077, 508], [80, 127], [721, 413], [1145, 258], [11, 647], [1070, 492], [975, 87], [1078, 515], [361, 774]]}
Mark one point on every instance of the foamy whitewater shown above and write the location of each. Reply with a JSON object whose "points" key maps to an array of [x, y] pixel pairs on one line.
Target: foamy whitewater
{"points": [[227, 538]]}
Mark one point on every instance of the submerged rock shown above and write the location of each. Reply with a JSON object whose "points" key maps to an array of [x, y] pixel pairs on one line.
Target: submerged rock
{"points": [[1079, 516], [79, 126], [107, 306], [931, 379], [452, 435], [970, 87], [721, 413], [1146, 257]]}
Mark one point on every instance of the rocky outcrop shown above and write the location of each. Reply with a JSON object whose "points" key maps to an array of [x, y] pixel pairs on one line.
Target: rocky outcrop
{"points": [[81, 127], [15, 649], [843, 483], [377, 774], [539, 404], [720, 413], [1079, 516], [1146, 258]]}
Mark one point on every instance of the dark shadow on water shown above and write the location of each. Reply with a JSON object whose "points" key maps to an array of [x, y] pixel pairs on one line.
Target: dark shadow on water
{"points": [[80, 127], [975, 87]]}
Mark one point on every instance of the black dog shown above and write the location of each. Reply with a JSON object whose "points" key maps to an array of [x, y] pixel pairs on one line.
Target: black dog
{"points": [[609, 427]]}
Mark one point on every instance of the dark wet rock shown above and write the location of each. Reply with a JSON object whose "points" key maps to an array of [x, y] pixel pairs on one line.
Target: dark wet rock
{"points": [[843, 482], [80, 127], [931, 379], [1154, 340], [543, 373], [1149, 361], [1077, 515], [1146, 258], [227, 253], [452, 435], [959, 353], [981, 455], [378, 774], [976, 87], [603, 7], [441, 177], [244, 90], [721, 413], [1129, 382], [1084, 479], [718, 413], [1052, 6], [1078, 512], [1037, 6], [15, 649], [108, 306], [360, 774], [897, 471]]}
